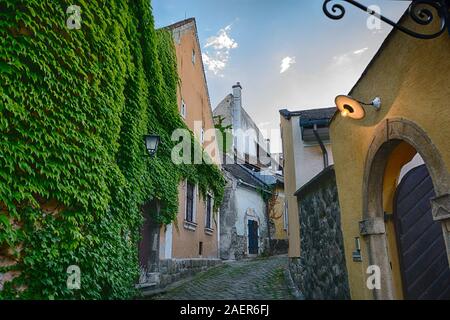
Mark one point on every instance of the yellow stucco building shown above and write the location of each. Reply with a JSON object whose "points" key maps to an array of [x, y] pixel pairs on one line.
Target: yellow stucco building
{"points": [[195, 233], [412, 78]]}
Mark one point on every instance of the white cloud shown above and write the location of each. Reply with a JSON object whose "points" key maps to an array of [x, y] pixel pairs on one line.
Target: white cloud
{"points": [[222, 40], [213, 65], [286, 63], [342, 59], [360, 51], [220, 45], [346, 58]]}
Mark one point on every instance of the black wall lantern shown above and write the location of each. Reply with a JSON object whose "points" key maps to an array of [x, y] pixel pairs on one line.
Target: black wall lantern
{"points": [[419, 10], [151, 143]]}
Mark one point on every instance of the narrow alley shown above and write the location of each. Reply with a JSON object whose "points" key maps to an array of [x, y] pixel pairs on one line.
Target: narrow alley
{"points": [[258, 279], [203, 150]]}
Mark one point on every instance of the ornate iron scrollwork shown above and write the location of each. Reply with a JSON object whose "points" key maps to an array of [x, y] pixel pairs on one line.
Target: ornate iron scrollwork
{"points": [[421, 11]]}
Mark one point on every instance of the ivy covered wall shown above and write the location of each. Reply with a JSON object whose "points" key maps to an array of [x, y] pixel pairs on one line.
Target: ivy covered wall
{"points": [[74, 105]]}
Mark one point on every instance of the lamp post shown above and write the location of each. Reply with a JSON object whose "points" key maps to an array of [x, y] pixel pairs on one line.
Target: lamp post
{"points": [[151, 143], [419, 10]]}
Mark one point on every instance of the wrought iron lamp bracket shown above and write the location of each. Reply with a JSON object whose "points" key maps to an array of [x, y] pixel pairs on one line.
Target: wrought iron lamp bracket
{"points": [[419, 10]]}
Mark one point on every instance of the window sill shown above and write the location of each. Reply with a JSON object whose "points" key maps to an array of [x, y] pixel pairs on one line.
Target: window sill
{"points": [[209, 231], [192, 226]]}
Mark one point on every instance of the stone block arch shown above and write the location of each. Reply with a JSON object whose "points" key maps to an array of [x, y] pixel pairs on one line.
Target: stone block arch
{"points": [[388, 135]]}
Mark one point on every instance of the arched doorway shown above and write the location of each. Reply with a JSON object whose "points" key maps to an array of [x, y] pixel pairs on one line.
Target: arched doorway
{"points": [[389, 136], [421, 248]]}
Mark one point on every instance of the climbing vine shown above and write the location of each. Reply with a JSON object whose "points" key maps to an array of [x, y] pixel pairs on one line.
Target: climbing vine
{"points": [[271, 203], [74, 105]]}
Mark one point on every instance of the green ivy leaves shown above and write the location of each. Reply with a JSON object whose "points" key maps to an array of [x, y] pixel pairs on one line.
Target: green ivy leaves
{"points": [[74, 105]]}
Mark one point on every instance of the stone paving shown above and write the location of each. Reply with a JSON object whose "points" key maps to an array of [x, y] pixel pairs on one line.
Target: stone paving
{"points": [[257, 279]]}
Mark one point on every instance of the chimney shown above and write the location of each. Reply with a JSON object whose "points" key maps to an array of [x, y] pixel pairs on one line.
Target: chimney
{"points": [[237, 105], [236, 114]]}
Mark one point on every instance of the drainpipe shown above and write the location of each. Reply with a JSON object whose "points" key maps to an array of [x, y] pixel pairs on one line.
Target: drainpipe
{"points": [[218, 233], [322, 146], [269, 237]]}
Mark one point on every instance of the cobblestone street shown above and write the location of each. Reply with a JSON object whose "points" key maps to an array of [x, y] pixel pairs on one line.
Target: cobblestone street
{"points": [[259, 279]]}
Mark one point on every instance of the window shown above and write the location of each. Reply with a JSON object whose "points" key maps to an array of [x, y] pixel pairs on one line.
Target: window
{"points": [[183, 109], [209, 209], [190, 193], [193, 56], [200, 248], [202, 136], [257, 152]]}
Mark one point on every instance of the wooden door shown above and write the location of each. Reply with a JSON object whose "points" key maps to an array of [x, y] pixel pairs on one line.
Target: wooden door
{"points": [[423, 257], [252, 237], [149, 244]]}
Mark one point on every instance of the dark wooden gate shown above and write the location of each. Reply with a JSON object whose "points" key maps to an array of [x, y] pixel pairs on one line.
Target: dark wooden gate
{"points": [[149, 244], [423, 257], [252, 237]]}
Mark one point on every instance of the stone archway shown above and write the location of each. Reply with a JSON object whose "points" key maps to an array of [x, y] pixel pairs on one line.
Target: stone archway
{"points": [[389, 135]]}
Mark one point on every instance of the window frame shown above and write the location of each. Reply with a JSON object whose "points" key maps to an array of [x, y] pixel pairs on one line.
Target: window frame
{"points": [[183, 109], [189, 216], [209, 212], [190, 219]]}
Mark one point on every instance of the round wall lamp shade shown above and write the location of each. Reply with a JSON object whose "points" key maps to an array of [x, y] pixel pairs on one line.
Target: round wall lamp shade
{"points": [[350, 107]]}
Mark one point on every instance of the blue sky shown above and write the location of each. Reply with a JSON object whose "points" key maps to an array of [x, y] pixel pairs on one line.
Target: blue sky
{"points": [[286, 53]]}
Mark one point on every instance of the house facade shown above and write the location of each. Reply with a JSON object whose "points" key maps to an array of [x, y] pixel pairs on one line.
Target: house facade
{"points": [[196, 234], [248, 142], [392, 171], [191, 242], [244, 229], [251, 197]]}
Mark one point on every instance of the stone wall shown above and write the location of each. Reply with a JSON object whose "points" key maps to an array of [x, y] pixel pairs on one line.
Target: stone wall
{"points": [[238, 248], [172, 270], [228, 217], [279, 246], [320, 272]]}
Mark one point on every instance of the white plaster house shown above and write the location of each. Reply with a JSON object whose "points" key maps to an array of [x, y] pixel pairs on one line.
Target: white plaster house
{"points": [[243, 223], [249, 144], [250, 171]]}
